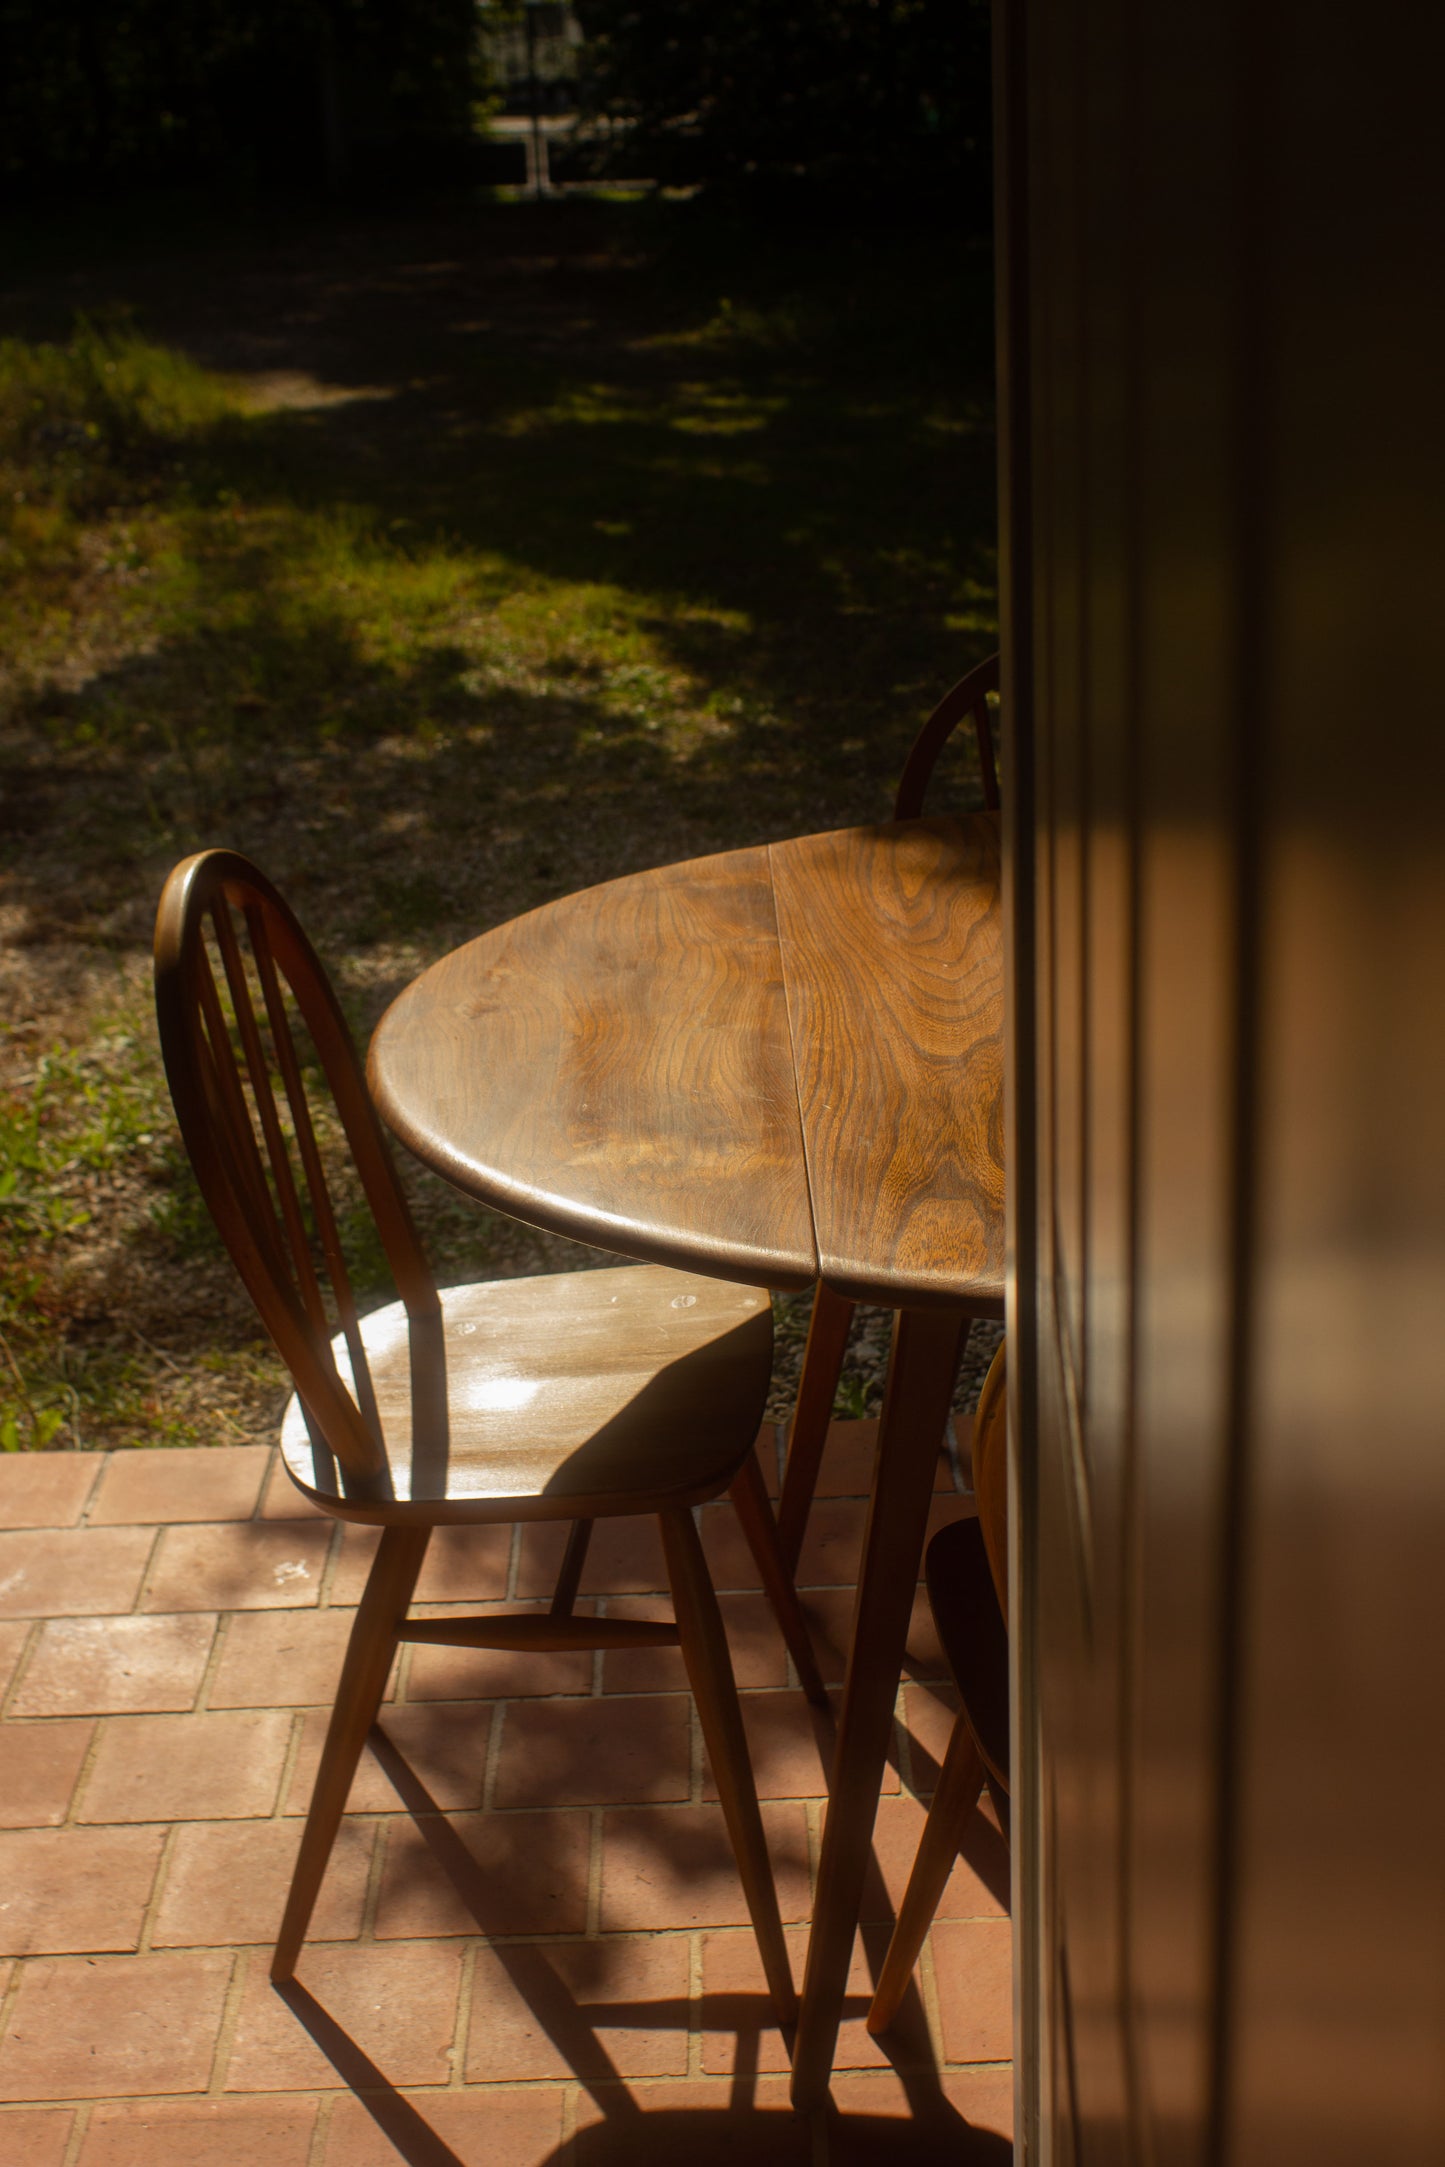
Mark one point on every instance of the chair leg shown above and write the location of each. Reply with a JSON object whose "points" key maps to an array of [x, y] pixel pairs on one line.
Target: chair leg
{"points": [[755, 1514], [710, 1673], [569, 1579], [959, 1783], [817, 1389], [369, 1651]]}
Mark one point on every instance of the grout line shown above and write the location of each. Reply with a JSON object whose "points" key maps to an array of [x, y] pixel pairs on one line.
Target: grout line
{"points": [[81, 1784], [151, 1565], [220, 1633], [105, 1459], [593, 1926], [903, 1745], [331, 1565], [265, 1490], [11, 1995], [495, 1731], [375, 1874], [162, 1875], [289, 1760], [514, 1563], [465, 1987], [571, 2097], [694, 2004], [230, 2021], [79, 2130], [400, 1670], [321, 2127], [28, 1646]]}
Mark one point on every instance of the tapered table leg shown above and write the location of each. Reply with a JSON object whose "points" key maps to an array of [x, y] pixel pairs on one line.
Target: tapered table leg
{"points": [[915, 1408]]}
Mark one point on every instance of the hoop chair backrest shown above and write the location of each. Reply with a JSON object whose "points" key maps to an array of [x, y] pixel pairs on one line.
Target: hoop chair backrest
{"points": [[249, 1142], [968, 697]]}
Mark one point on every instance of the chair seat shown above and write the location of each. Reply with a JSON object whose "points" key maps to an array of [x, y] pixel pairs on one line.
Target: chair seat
{"points": [[571, 1396]]}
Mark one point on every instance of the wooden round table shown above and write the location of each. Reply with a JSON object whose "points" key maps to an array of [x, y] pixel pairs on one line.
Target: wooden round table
{"points": [[779, 1065]]}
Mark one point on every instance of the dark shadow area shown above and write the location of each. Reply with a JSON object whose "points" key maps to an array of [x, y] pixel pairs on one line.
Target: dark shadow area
{"points": [[934, 2130]]}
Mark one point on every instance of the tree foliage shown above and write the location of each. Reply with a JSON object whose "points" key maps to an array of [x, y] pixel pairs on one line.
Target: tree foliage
{"points": [[863, 97], [284, 91]]}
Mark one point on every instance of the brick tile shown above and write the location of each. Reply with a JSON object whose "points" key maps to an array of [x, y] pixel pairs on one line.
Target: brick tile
{"points": [[493, 2128], [507, 1873], [725, 1547], [595, 1752], [281, 1500], [985, 2099], [84, 2028], [116, 1666], [45, 1489], [353, 1561], [494, 1673], [444, 1743], [188, 1482], [35, 2136], [759, 1656], [64, 1890], [673, 1866], [973, 1973], [200, 2133], [71, 1572], [42, 1761], [833, 1545], [768, 1445], [14, 1632], [978, 1887], [790, 1746], [227, 1882], [466, 1565], [623, 1558], [829, 1612], [186, 1768], [543, 2012], [929, 1714], [282, 1659], [249, 1566], [875, 2118], [848, 1461], [698, 2120], [739, 2030], [397, 2004]]}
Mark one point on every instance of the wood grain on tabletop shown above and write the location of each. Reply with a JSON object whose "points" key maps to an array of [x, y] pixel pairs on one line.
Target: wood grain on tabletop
{"points": [[892, 960], [616, 1066]]}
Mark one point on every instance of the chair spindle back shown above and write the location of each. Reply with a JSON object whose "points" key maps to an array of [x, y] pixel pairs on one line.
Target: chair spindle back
{"points": [[224, 936], [968, 697]]}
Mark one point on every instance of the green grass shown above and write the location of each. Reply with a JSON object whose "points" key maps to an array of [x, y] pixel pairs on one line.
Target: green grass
{"points": [[444, 568]]}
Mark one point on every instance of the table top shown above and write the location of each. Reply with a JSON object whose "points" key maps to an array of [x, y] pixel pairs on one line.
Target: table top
{"points": [[773, 1065]]}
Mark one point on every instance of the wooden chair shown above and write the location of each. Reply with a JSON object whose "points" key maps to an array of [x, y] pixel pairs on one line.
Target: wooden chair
{"points": [[832, 1318], [580, 1396], [967, 1570]]}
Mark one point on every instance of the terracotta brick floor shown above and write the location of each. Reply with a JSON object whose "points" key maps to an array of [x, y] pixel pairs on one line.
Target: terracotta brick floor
{"points": [[531, 1945]]}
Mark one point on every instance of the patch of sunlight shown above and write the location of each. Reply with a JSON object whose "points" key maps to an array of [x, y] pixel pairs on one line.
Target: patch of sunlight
{"points": [[293, 391], [587, 406], [968, 423]]}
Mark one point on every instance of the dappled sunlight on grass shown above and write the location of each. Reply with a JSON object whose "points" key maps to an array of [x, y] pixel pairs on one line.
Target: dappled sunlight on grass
{"points": [[443, 576]]}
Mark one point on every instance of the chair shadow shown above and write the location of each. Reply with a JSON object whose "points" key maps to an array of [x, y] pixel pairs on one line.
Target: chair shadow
{"points": [[626, 2134]]}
